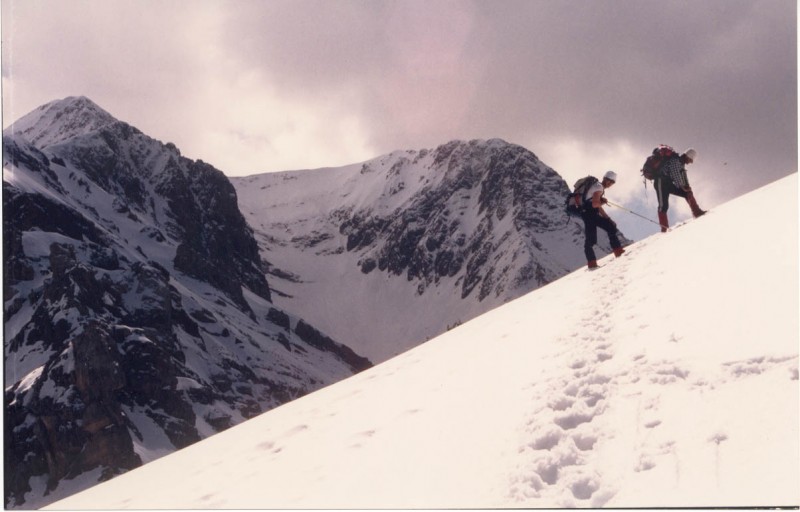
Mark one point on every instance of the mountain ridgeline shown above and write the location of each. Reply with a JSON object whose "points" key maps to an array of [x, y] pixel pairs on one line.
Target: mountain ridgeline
{"points": [[150, 301]]}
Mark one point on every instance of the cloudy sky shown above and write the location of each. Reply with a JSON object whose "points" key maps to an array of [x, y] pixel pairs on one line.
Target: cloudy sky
{"points": [[257, 86]]}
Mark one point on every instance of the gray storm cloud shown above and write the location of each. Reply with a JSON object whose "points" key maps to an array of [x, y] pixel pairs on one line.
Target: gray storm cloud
{"points": [[285, 81]]}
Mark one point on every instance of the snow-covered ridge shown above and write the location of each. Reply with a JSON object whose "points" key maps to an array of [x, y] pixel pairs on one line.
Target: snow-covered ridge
{"points": [[668, 377]]}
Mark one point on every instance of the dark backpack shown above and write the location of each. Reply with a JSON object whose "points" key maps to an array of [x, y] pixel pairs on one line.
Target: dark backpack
{"points": [[575, 203], [652, 166]]}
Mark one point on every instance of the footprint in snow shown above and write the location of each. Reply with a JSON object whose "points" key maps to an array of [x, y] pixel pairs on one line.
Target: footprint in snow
{"points": [[572, 420], [591, 397], [548, 440], [295, 430], [584, 488], [561, 404], [604, 356], [266, 445], [578, 364], [759, 365], [718, 437], [646, 463], [584, 442], [668, 374]]}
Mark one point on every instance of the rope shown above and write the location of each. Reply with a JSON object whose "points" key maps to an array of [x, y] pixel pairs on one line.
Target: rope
{"points": [[638, 215]]}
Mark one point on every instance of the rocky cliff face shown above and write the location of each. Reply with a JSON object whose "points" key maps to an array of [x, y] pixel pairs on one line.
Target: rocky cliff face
{"points": [[137, 316]]}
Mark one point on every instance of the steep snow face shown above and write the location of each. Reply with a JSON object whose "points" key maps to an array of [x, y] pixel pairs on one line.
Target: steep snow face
{"points": [[137, 317], [668, 377], [416, 242]]}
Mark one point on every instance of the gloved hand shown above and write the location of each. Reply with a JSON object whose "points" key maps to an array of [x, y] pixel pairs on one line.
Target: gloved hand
{"points": [[604, 200]]}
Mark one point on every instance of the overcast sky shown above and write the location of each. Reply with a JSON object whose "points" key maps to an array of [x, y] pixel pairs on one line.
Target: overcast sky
{"points": [[587, 85]]}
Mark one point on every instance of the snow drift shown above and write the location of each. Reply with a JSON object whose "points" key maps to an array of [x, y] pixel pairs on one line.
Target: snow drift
{"points": [[668, 377]]}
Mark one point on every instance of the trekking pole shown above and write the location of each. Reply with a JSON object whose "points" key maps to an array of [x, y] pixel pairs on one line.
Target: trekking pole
{"points": [[638, 215]]}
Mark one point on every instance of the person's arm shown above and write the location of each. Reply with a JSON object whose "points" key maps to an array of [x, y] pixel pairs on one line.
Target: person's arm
{"points": [[597, 202], [684, 179]]}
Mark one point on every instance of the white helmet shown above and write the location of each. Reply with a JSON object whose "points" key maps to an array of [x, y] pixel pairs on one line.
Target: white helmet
{"points": [[610, 175], [691, 153]]}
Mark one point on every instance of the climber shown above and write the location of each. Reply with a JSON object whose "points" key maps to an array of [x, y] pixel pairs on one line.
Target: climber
{"points": [[671, 179], [594, 216]]}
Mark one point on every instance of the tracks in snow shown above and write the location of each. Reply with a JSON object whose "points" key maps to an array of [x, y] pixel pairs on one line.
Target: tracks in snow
{"points": [[562, 431], [602, 395]]}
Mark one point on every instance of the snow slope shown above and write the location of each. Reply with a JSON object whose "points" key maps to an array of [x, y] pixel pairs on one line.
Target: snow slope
{"points": [[668, 377]]}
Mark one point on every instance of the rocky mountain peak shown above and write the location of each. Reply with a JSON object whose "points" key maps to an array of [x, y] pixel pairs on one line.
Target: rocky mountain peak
{"points": [[61, 120], [138, 318]]}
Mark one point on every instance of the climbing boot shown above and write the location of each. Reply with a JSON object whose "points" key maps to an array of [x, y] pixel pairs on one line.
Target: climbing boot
{"points": [[664, 221], [696, 211]]}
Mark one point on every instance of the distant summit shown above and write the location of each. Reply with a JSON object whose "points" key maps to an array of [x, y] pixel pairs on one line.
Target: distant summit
{"points": [[61, 120]]}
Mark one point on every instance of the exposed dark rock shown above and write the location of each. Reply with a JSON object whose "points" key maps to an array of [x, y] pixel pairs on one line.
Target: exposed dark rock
{"points": [[24, 211], [69, 421], [217, 246], [319, 341], [279, 318]]}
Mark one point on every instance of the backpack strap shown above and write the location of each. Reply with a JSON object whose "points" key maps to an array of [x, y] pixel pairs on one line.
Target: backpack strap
{"points": [[587, 200]]}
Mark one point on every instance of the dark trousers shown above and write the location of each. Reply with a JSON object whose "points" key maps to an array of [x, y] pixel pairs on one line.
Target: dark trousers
{"points": [[664, 187], [592, 220]]}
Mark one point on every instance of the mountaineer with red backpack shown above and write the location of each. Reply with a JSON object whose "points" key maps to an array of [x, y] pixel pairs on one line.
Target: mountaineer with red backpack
{"points": [[667, 169], [587, 201]]}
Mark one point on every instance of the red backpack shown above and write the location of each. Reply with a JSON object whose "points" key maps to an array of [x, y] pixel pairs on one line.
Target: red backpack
{"points": [[652, 166]]}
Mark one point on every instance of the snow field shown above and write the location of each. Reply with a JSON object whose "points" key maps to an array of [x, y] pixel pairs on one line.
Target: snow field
{"points": [[668, 377]]}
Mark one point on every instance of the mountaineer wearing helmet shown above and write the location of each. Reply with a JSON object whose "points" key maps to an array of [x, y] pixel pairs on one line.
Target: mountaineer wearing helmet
{"points": [[595, 217], [672, 180]]}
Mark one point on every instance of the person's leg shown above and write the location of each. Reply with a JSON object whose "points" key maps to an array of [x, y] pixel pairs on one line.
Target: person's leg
{"points": [[696, 210], [590, 232], [610, 228], [662, 194]]}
